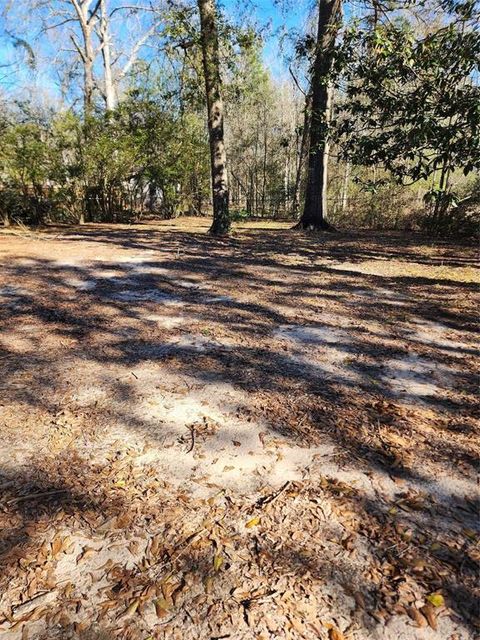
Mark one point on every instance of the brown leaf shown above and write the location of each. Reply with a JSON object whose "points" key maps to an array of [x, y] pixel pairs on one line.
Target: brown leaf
{"points": [[56, 545], [161, 607], [297, 625], [429, 613], [177, 592], [87, 552], [208, 584], [167, 588], [132, 607], [156, 544], [123, 521], [108, 604], [416, 616], [26, 609], [67, 542], [359, 600]]}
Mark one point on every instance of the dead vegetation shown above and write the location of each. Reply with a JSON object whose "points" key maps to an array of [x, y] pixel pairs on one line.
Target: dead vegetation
{"points": [[241, 438]]}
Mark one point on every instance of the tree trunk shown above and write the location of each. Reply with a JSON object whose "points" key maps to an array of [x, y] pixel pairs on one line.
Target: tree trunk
{"points": [[286, 183], [213, 87], [346, 178], [104, 32], [315, 209], [302, 153], [441, 203], [264, 166], [87, 112], [86, 51], [88, 83]]}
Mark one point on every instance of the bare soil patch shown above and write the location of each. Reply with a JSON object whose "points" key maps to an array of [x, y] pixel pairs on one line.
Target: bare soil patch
{"points": [[272, 435]]}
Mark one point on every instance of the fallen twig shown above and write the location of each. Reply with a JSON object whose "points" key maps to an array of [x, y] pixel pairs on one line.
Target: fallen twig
{"points": [[187, 543], [192, 432], [30, 496], [261, 502], [39, 599]]}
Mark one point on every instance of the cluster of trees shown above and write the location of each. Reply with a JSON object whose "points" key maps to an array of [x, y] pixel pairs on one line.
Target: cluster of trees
{"points": [[153, 109]]}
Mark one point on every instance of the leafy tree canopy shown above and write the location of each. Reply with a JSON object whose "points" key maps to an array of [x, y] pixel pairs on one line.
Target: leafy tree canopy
{"points": [[410, 100]]}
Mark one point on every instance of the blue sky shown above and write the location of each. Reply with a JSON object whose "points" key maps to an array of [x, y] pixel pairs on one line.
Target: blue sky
{"points": [[275, 18], [279, 17]]}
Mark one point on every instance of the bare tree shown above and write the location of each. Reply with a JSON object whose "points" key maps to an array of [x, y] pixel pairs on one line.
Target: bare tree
{"points": [[213, 87], [87, 17], [315, 208], [106, 47], [74, 22], [88, 26], [112, 75]]}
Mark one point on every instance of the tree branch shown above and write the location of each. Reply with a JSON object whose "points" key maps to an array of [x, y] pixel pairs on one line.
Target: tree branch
{"points": [[77, 47], [134, 54], [94, 11], [296, 81], [132, 7], [59, 24]]}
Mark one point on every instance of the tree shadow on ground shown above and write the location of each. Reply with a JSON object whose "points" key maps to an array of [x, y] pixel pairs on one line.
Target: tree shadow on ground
{"points": [[416, 549], [233, 296]]}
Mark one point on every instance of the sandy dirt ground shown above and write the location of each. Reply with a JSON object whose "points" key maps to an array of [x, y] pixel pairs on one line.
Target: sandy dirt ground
{"points": [[268, 436]]}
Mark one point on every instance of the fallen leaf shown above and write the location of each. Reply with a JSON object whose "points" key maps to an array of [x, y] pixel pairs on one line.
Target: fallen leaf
{"points": [[297, 625], [161, 607], [217, 562], [436, 599], [167, 588], [56, 546], [208, 584], [359, 600], [253, 522], [429, 613], [130, 610], [416, 616], [26, 609], [87, 552]]}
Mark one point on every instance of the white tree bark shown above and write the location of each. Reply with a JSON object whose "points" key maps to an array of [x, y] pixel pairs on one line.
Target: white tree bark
{"points": [[110, 93]]}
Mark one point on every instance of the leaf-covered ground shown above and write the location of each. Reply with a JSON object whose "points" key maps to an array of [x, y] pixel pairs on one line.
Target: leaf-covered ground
{"points": [[268, 436]]}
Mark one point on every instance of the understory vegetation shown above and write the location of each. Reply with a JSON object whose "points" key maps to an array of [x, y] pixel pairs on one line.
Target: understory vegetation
{"points": [[111, 127]]}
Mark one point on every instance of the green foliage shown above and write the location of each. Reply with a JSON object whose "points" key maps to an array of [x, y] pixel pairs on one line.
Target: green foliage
{"points": [[240, 215], [25, 163], [411, 105], [410, 100], [407, 118], [140, 158]]}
